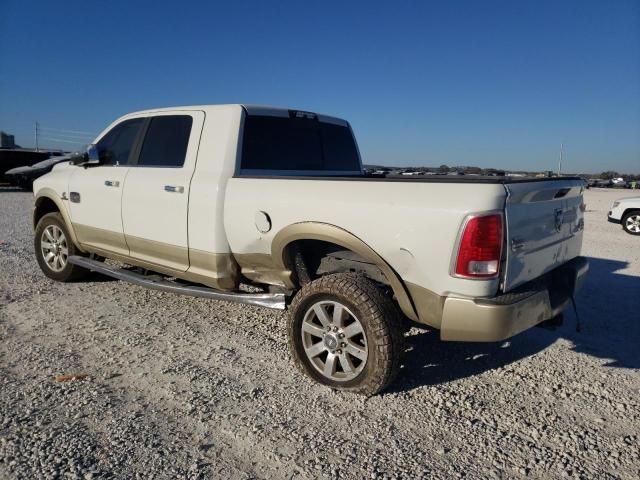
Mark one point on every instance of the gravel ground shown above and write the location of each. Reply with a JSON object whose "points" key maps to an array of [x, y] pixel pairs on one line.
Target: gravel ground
{"points": [[179, 387]]}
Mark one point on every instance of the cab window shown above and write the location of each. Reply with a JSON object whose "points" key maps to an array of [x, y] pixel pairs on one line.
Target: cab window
{"points": [[165, 143], [297, 144], [114, 148]]}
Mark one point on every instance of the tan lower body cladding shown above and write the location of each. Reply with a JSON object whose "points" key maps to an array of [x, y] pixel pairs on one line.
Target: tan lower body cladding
{"points": [[223, 270], [428, 305], [215, 270], [260, 268]]}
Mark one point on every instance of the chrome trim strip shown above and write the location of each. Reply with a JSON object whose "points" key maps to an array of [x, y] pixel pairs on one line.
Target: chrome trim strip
{"points": [[267, 300]]}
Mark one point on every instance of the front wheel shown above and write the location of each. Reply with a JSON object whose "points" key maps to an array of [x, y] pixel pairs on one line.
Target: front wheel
{"points": [[53, 247], [344, 332], [631, 222]]}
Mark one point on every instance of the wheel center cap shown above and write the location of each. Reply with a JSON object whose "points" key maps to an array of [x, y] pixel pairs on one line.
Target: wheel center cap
{"points": [[330, 341]]}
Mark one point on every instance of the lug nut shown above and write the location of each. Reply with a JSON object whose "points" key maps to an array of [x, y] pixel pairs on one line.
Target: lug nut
{"points": [[335, 329], [339, 352], [341, 335], [343, 345]]}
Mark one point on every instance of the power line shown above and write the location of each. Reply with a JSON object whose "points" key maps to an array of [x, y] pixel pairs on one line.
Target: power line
{"points": [[65, 130], [65, 135], [53, 139]]}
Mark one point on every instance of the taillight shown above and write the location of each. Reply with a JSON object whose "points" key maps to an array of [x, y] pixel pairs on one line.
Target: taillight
{"points": [[480, 247]]}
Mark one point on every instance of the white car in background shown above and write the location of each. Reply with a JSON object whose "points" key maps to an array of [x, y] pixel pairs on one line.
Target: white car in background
{"points": [[626, 211]]}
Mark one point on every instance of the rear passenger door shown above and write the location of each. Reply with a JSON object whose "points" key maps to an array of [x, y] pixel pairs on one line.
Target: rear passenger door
{"points": [[156, 192]]}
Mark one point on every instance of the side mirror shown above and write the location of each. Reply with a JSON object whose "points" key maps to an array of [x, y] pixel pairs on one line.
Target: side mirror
{"points": [[92, 155], [78, 158]]}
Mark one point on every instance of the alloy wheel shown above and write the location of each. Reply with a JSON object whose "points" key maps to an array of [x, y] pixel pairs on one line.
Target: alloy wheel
{"points": [[334, 341], [54, 247], [632, 223]]}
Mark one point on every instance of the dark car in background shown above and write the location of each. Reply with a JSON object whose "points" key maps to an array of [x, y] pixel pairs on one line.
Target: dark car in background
{"points": [[23, 177]]}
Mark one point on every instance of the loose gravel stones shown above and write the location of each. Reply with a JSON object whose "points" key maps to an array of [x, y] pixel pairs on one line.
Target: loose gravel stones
{"points": [[179, 387]]}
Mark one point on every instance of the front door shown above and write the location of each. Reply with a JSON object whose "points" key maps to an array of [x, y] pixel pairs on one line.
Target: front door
{"points": [[156, 194], [95, 192]]}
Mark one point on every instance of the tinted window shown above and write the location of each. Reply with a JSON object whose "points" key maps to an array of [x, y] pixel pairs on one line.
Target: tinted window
{"points": [[114, 148], [340, 152], [278, 143], [166, 140]]}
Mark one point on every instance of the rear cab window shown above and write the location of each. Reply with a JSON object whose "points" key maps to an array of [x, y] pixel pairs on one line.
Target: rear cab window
{"points": [[298, 143]]}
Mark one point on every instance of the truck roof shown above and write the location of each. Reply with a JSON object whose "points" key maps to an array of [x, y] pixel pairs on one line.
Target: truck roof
{"points": [[265, 110]]}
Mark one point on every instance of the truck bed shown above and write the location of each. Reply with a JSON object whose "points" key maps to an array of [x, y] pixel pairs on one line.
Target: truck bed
{"points": [[417, 178]]}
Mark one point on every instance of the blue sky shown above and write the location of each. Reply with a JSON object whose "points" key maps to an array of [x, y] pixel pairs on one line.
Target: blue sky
{"points": [[489, 83]]}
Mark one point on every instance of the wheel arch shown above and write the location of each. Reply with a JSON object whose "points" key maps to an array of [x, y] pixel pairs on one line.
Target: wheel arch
{"points": [[47, 201], [285, 238]]}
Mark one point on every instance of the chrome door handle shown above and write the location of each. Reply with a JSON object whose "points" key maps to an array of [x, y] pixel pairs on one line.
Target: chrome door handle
{"points": [[112, 183], [173, 189]]}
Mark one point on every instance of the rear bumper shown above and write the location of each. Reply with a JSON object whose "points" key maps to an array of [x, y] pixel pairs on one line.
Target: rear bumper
{"points": [[501, 317]]}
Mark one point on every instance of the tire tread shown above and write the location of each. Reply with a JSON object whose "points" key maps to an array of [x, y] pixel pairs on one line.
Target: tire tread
{"points": [[380, 312]]}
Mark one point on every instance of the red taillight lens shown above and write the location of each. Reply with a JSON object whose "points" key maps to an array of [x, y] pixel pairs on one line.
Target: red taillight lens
{"points": [[480, 247]]}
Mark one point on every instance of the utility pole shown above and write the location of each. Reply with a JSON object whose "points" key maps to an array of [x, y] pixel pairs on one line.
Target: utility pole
{"points": [[560, 161], [37, 148]]}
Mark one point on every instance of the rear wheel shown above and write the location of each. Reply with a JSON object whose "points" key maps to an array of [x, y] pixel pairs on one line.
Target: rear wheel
{"points": [[53, 247], [344, 332], [631, 222]]}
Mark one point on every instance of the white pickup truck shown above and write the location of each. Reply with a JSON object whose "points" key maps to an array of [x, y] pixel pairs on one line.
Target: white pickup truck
{"points": [[212, 197]]}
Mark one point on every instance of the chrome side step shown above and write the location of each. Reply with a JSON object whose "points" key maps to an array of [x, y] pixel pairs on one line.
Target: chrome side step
{"points": [[268, 300]]}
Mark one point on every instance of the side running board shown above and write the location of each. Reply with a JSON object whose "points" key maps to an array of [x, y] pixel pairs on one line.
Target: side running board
{"points": [[268, 300]]}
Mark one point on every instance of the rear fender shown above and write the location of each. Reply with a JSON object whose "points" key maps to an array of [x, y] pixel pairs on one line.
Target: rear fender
{"points": [[332, 234]]}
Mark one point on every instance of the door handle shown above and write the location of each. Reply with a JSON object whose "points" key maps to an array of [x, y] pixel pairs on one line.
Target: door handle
{"points": [[112, 183], [173, 189]]}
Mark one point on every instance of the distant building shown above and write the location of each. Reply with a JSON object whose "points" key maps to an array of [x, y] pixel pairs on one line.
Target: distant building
{"points": [[6, 140]]}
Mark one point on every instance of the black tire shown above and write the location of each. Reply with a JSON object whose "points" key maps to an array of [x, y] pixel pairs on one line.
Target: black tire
{"points": [[68, 273], [377, 316], [633, 217]]}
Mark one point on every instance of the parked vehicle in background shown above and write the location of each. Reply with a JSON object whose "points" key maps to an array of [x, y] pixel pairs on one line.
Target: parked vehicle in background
{"points": [[278, 199], [23, 177], [626, 212], [11, 158], [619, 183], [611, 183]]}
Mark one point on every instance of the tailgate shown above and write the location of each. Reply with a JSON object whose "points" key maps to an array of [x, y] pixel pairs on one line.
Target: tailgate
{"points": [[544, 222]]}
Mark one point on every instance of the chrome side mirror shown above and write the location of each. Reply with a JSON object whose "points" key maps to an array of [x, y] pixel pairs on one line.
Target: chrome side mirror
{"points": [[92, 156]]}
